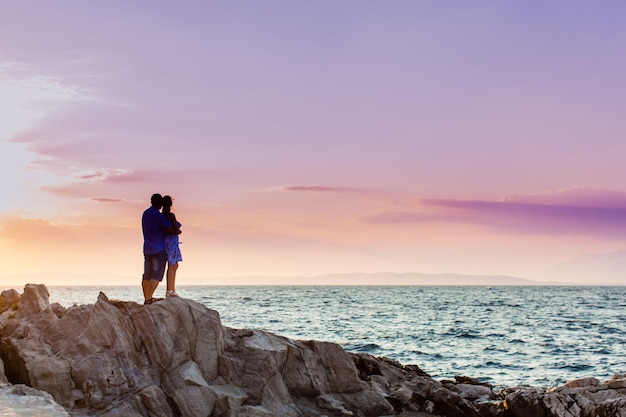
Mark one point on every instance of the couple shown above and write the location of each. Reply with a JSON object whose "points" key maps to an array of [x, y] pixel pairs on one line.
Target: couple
{"points": [[160, 246]]}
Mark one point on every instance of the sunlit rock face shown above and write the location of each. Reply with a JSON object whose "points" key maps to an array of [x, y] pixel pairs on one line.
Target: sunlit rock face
{"points": [[23, 401], [174, 358]]}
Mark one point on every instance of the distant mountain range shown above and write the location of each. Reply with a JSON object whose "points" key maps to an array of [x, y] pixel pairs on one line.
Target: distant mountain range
{"points": [[381, 278], [597, 269]]}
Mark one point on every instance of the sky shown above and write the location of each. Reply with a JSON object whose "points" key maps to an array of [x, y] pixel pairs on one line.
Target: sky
{"points": [[309, 138]]}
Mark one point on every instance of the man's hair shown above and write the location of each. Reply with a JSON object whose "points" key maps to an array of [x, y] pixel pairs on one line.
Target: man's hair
{"points": [[156, 200]]}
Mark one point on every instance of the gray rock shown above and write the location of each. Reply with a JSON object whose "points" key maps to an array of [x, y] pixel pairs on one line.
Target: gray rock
{"points": [[250, 411], [35, 299], [227, 397], [155, 402], [8, 299], [23, 401]]}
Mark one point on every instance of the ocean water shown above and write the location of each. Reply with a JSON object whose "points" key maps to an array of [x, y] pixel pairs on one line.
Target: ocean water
{"points": [[506, 336]]}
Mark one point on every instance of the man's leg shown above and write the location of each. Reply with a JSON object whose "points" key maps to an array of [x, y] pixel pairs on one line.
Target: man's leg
{"points": [[144, 287], [151, 287], [157, 268], [147, 274]]}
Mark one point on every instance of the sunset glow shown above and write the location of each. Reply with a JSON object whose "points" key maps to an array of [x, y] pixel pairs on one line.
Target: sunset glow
{"points": [[309, 138]]}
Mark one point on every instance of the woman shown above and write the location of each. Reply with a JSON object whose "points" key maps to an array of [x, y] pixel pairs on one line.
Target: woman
{"points": [[171, 248]]}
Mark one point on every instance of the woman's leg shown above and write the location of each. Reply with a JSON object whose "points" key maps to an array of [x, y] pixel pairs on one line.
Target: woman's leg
{"points": [[171, 276]]}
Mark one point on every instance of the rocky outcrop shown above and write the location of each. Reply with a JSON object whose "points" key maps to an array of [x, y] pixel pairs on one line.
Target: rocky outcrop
{"points": [[585, 397], [175, 358], [23, 401]]}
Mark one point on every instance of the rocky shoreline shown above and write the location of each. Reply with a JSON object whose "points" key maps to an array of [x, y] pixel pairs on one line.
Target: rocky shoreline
{"points": [[175, 358]]}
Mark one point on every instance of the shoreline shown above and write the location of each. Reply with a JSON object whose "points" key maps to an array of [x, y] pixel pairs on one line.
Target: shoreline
{"points": [[450, 331], [193, 359]]}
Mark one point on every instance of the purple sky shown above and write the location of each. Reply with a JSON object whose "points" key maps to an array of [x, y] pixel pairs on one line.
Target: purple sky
{"points": [[302, 138]]}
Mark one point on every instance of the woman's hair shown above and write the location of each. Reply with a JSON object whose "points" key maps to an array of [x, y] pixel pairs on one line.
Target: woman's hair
{"points": [[167, 210], [167, 204], [167, 207]]}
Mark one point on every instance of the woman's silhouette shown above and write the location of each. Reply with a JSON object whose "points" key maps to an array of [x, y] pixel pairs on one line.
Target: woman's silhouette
{"points": [[171, 248]]}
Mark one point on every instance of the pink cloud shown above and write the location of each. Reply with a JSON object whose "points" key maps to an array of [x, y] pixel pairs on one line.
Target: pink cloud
{"points": [[601, 213], [319, 189], [93, 176], [107, 200], [579, 196]]}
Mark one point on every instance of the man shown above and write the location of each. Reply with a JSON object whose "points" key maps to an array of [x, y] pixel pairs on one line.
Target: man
{"points": [[154, 226]]}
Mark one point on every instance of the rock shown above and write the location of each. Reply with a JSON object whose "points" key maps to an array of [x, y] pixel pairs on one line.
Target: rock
{"points": [[402, 395], [342, 374], [428, 407], [8, 299], [367, 403], [250, 411], [194, 401], [450, 403], [3, 377], [612, 408], [333, 404], [578, 398], [582, 382], [52, 375], [34, 300], [23, 401], [616, 383], [560, 405], [227, 397], [472, 392], [190, 391], [525, 403], [155, 401]]}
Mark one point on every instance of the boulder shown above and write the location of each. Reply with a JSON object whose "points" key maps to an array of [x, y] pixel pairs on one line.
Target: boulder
{"points": [[35, 299], [250, 411], [9, 299], [24, 401], [155, 402], [577, 398], [227, 397], [525, 402]]}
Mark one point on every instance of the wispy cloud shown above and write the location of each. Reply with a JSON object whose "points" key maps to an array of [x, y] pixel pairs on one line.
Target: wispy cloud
{"points": [[319, 189], [107, 200], [577, 197], [575, 211], [95, 175]]}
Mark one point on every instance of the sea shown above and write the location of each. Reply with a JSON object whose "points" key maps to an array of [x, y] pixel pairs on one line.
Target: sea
{"points": [[505, 336]]}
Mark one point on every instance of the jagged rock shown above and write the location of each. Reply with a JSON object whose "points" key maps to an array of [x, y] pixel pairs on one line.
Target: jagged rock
{"points": [[471, 389], [35, 299], [52, 375], [250, 411], [577, 398], [8, 299], [612, 408], [154, 400], [582, 382], [525, 402], [174, 358], [227, 397], [23, 401]]}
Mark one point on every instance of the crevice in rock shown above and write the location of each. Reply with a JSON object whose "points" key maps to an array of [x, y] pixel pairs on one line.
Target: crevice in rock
{"points": [[14, 366]]}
